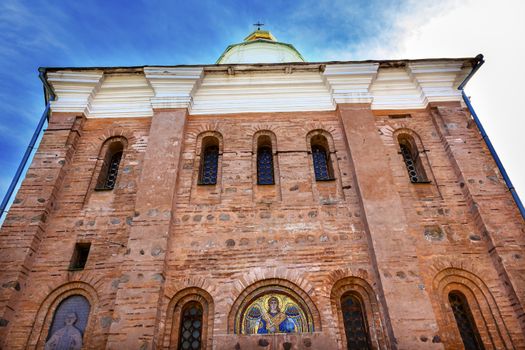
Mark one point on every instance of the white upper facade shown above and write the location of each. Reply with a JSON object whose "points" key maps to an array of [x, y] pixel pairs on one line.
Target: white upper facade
{"points": [[269, 85]]}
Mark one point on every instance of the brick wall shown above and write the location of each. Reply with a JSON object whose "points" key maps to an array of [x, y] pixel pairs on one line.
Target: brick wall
{"points": [[160, 239]]}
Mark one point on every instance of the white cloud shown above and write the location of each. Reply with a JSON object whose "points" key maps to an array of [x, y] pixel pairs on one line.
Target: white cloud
{"points": [[464, 29]]}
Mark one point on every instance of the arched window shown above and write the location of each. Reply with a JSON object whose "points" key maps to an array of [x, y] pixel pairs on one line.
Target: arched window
{"points": [[465, 321], [190, 335], [109, 171], [321, 159], [413, 163], [209, 161], [69, 323], [265, 174], [356, 328]]}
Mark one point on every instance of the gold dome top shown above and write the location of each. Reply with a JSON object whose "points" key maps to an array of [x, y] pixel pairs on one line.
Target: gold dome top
{"points": [[260, 34]]}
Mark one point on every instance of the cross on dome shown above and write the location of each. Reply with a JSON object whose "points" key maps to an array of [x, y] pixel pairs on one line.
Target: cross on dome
{"points": [[258, 25]]}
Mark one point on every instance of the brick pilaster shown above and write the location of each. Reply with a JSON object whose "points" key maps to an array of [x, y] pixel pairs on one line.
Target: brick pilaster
{"points": [[26, 222], [137, 301], [392, 249], [489, 201]]}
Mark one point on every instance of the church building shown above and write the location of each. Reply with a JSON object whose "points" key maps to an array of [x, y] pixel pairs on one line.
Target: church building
{"points": [[263, 202]]}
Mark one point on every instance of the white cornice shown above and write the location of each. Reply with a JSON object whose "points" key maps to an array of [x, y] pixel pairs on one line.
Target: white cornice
{"points": [[257, 88], [73, 89], [438, 80], [350, 83], [395, 88], [173, 87], [240, 92], [122, 96]]}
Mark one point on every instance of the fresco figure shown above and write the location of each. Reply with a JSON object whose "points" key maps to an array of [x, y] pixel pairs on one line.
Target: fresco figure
{"points": [[273, 320], [67, 337]]}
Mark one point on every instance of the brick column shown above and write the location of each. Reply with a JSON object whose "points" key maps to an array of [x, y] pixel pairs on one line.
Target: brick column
{"points": [[142, 279], [495, 213], [25, 224], [406, 301]]}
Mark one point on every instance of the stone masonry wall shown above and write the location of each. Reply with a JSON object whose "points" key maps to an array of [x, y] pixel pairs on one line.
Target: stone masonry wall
{"points": [[79, 215], [403, 246]]}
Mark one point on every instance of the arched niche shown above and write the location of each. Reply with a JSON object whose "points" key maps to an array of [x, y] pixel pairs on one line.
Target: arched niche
{"points": [[61, 302], [487, 310], [182, 303], [360, 292]]}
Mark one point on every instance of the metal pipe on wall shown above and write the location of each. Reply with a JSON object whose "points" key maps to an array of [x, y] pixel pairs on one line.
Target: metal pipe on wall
{"points": [[501, 168], [510, 186], [49, 96]]}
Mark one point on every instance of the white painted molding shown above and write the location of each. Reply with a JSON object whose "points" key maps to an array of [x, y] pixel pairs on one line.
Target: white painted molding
{"points": [[120, 96], [350, 83], [395, 88], [222, 93], [257, 88], [173, 87], [73, 89], [438, 80]]}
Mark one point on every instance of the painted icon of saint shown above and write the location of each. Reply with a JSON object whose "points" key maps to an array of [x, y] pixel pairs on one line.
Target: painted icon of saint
{"points": [[67, 337], [273, 320]]}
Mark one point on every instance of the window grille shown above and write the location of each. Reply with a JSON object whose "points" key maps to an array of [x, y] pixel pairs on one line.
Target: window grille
{"points": [[112, 156], [111, 177], [191, 327], [354, 319], [321, 163], [209, 166], [465, 322], [265, 166], [415, 169]]}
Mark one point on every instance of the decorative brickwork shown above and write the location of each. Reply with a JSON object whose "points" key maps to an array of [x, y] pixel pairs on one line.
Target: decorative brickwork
{"points": [[493, 328], [174, 317], [365, 293], [48, 307]]}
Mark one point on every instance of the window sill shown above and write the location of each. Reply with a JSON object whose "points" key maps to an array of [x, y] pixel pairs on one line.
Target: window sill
{"points": [[199, 184], [325, 180], [421, 182], [103, 189], [258, 184]]}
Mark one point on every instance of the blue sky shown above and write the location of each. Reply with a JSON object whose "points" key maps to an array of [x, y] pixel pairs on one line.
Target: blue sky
{"points": [[126, 33]]}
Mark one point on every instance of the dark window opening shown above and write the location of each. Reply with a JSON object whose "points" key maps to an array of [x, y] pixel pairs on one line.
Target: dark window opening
{"points": [[190, 336], [80, 256], [321, 159], [265, 173], [111, 178], [413, 163], [265, 166], [209, 161], [109, 171], [354, 319], [465, 321]]}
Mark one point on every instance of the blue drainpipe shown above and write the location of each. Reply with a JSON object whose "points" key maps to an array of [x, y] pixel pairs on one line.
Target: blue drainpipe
{"points": [[49, 96], [510, 186]]}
